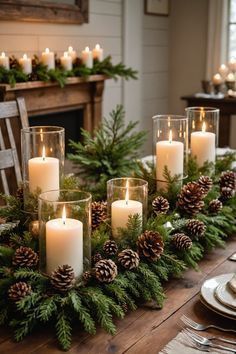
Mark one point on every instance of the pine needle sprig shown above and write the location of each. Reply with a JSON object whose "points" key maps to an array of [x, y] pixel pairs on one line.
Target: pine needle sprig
{"points": [[47, 308], [64, 329]]}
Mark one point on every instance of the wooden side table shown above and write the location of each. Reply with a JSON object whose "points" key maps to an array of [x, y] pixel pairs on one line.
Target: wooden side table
{"points": [[227, 108]]}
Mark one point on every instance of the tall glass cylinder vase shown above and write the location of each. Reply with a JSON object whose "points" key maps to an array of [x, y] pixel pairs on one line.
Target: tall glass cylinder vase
{"points": [[65, 230], [170, 133], [126, 197], [43, 150], [204, 132]]}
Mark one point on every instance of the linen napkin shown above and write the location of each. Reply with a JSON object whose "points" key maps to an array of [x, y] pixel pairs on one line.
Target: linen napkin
{"points": [[181, 344]]}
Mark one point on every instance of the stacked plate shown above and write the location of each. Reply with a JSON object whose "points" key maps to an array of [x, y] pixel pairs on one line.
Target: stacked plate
{"points": [[219, 295]]}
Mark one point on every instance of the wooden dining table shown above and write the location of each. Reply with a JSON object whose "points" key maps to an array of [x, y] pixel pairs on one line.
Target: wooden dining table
{"points": [[146, 330]]}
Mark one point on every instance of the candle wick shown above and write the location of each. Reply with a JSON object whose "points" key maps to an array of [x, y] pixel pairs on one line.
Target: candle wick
{"points": [[64, 222], [126, 202]]}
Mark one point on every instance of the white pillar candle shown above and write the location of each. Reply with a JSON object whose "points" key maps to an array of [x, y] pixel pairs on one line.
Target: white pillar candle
{"points": [[169, 153], [26, 64], [122, 209], [4, 61], [66, 61], [72, 53], [230, 77], [43, 173], [64, 244], [232, 64], [223, 70], [203, 146], [98, 53], [87, 57], [48, 59], [217, 79]]}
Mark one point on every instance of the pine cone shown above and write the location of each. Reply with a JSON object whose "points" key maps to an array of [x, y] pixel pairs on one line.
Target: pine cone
{"points": [[105, 271], [129, 259], [150, 245], [110, 247], [20, 195], [215, 206], [97, 257], [195, 228], [99, 213], [18, 291], [228, 179], [160, 205], [63, 278], [87, 276], [205, 182], [190, 198], [25, 257], [226, 193], [182, 241]]}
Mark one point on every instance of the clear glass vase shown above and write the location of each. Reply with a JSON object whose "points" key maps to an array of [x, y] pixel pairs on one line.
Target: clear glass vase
{"points": [[65, 230], [126, 197]]}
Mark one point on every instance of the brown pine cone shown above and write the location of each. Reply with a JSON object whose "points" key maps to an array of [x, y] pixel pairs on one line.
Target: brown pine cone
{"points": [[20, 195], [190, 198], [160, 205], [195, 228], [110, 247], [215, 206], [150, 245], [205, 182], [25, 257], [99, 213], [63, 278], [87, 276], [228, 179], [18, 291], [226, 193], [129, 259], [97, 257], [105, 271], [181, 241]]}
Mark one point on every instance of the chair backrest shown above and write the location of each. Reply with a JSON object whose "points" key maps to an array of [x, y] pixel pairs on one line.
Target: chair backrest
{"points": [[13, 116]]}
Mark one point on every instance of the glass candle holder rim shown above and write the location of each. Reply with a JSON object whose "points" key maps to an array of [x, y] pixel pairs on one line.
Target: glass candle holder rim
{"points": [[85, 199], [202, 109], [171, 117], [145, 183], [36, 129]]}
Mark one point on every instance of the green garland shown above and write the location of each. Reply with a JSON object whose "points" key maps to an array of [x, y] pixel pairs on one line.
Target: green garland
{"points": [[40, 71], [90, 301]]}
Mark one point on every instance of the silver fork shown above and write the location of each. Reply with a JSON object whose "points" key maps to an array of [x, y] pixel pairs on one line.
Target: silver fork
{"points": [[205, 341], [201, 327], [189, 341]]}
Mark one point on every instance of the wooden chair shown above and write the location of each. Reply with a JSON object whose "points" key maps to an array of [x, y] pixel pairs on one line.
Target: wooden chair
{"points": [[13, 117]]}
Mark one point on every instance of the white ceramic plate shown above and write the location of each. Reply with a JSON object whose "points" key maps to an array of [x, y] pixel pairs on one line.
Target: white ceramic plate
{"points": [[208, 294]]}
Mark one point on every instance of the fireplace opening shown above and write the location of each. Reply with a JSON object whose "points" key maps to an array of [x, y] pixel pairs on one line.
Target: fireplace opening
{"points": [[72, 121]]}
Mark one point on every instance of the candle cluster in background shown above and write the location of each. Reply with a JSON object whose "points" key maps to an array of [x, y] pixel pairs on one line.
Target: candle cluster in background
{"points": [[48, 58], [224, 80]]}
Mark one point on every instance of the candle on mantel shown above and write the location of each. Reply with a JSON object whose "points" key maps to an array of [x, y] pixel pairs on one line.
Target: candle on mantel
{"points": [[66, 61], [203, 146], [26, 64], [4, 61], [230, 77], [122, 209], [232, 65], [223, 70], [169, 153], [98, 52], [64, 244], [217, 79], [87, 57], [48, 59], [72, 53], [43, 173]]}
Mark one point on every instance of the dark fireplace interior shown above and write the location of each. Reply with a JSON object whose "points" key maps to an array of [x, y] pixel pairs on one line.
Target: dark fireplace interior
{"points": [[72, 121]]}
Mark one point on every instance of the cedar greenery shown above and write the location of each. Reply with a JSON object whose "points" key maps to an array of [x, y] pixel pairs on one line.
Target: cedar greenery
{"points": [[91, 304]]}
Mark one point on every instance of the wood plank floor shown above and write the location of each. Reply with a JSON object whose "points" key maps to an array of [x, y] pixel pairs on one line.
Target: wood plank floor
{"points": [[144, 331]]}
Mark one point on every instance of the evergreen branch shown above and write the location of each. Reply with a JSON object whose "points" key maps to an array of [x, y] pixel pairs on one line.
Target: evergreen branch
{"points": [[47, 309], [64, 330], [27, 273]]}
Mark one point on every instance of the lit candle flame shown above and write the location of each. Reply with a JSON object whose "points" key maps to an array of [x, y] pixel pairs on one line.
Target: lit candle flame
{"points": [[3, 54], [127, 192], [43, 153], [86, 49], [97, 46], [203, 127], [70, 49], [25, 56], [64, 215], [47, 50], [170, 136]]}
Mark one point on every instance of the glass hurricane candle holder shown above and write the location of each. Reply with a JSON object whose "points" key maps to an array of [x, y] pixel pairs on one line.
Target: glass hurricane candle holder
{"points": [[65, 230], [126, 197], [204, 132], [43, 150], [170, 133]]}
